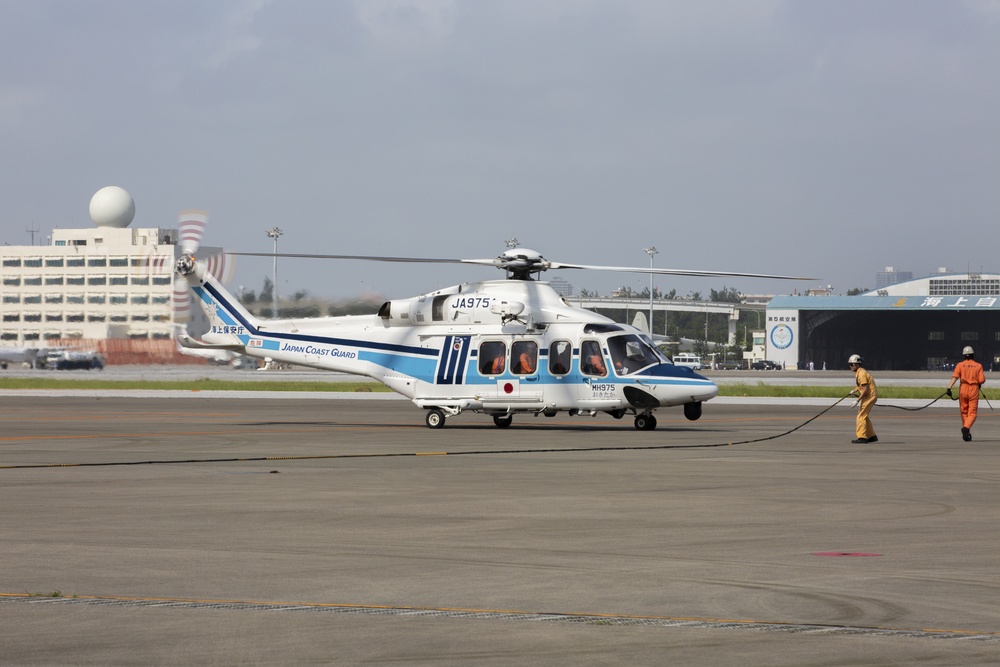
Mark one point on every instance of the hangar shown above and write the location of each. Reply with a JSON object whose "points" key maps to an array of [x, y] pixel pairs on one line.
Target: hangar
{"points": [[921, 324]]}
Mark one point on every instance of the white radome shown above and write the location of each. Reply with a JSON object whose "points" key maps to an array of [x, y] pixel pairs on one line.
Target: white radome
{"points": [[112, 207]]}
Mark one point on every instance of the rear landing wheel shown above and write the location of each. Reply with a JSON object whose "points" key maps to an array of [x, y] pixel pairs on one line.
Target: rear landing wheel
{"points": [[503, 421], [435, 418]]}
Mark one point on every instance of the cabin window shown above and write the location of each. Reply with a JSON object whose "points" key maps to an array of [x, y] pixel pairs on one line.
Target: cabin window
{"points": [[560, 353], [591, 359], [492, 357], [524, 357]]}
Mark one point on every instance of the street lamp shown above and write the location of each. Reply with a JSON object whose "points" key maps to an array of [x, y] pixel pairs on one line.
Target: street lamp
{"points": [[651, 250], [274, 233]]}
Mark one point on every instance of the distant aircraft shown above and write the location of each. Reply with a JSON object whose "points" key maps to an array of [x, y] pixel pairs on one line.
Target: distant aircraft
{"points": [[20, 355]]}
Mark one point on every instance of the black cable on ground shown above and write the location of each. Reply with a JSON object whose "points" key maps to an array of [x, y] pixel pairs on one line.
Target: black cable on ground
{"points": [[922, 407], [401, 454]]}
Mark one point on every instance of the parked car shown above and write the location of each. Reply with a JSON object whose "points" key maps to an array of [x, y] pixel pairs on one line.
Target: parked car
{"points": [[765, 365]]}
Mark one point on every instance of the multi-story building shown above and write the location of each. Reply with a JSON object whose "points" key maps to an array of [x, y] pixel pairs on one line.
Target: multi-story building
{"points": [[99, 283]]}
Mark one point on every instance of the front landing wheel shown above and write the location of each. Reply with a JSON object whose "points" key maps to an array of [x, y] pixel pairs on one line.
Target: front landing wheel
{"points": [[645, 422], [435, 418]]}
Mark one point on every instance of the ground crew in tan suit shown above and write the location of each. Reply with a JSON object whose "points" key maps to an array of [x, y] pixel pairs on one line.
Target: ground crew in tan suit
{"points": [[970, 372], [867, 395]]}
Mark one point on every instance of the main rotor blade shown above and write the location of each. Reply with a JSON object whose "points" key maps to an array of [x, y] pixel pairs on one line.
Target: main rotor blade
{"points": [[371, 258], [673, 272]]}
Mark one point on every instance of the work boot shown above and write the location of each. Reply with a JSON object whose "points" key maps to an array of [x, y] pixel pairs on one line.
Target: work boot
{"points": [[859, 441], [966, 434], [874, 438]]}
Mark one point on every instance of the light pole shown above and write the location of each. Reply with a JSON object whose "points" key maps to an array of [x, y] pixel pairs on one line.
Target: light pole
{"points": [[274, 233], [651, 250]]}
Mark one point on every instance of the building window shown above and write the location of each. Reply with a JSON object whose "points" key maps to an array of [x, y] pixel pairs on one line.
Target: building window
{"points": [[12, 282], [935, 335], [96, 299], [33, 263], [162, 280], [32, 317], [33, 281], [159, 300], [74, 298], [53, 317], [8, 335], [54, 280], [12, 317], [97, 317], [119, 318], [53, 298], [12, 263], [970, 335], [94, 262], [33, 298], [140, 300], [75, 280], [74, 317], [119, 261], [97, 280], [74, 262], [12, 298], [119, 299], [118, 280], [54, 262]]}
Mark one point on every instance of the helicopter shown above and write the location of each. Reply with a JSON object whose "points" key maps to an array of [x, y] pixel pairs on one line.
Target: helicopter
{"points": [[501, 347]]}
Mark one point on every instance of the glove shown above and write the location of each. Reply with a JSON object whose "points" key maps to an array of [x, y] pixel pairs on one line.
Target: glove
{"points": [[856, 403], [948, 391]]}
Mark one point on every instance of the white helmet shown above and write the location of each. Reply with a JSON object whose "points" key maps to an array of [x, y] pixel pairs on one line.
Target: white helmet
{"points": [[855, 359], [968, 351]]}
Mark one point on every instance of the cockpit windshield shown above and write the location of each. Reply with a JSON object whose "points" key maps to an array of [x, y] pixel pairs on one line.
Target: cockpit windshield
{"points": [[630, 353]]}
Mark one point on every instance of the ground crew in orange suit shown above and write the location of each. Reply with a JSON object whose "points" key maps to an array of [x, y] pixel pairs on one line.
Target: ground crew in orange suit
{"points": [[867, 395], [970, 372]]}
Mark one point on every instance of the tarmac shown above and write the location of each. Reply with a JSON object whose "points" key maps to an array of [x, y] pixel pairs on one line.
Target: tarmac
{"points": [[253, 529]]}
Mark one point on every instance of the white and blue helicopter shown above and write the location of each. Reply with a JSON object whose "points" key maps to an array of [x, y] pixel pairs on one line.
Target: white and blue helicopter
{"points": [[496, 347]]}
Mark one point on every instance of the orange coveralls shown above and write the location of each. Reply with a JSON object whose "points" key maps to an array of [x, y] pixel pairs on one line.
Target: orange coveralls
{"points": [[864, 427], [970, 373]]}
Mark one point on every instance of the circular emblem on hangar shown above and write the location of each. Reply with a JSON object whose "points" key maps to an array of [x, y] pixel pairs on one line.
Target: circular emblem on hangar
{"points": [[781, 336]]}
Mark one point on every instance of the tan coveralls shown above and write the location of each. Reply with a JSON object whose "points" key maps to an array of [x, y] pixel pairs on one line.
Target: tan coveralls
{"points": [[867, 395]]}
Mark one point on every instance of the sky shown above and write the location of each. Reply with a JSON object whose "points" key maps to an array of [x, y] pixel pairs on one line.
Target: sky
{"points": [[823, 139]]}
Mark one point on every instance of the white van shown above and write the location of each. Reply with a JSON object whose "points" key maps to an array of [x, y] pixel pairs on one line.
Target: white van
{"points": [[692, 361]]}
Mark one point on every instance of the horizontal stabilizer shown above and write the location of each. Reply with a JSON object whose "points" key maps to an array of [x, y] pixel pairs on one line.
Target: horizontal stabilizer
{"points": [[189, 342]]}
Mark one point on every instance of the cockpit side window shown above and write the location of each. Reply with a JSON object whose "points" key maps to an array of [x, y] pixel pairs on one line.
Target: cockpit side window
{"points": [[630, 353], [591, 359], [523, 357], [492, 357], [560, 352]]}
